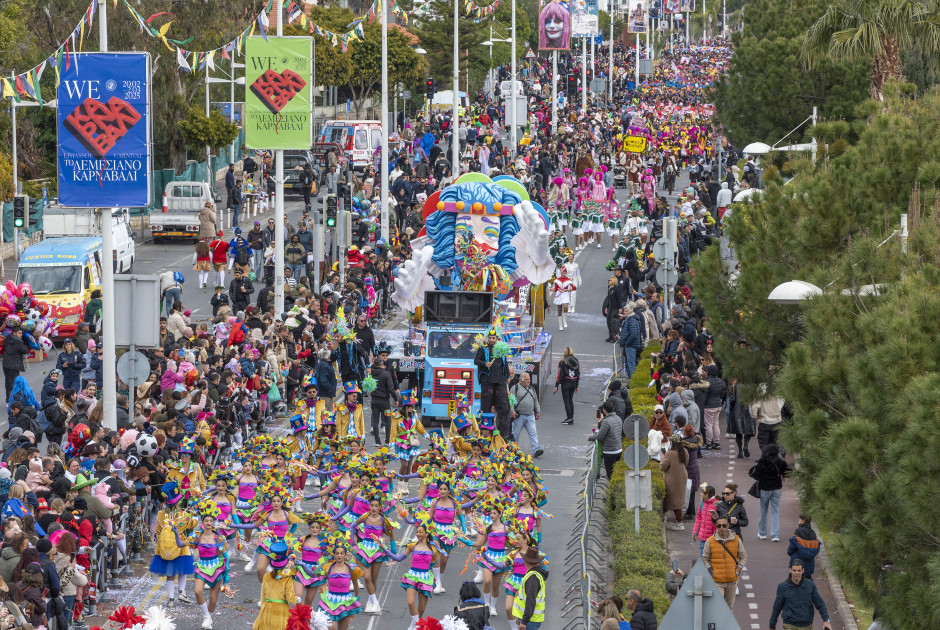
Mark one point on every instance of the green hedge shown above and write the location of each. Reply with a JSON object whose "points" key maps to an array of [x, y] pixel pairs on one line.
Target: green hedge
{"points": [[639, 561]]}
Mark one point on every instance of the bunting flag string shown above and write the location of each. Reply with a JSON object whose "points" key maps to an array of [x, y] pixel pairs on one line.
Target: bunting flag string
{"points": [[26, 84], [476, 11]]}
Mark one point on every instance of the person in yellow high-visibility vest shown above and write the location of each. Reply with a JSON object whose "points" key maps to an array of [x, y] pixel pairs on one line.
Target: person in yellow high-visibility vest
{"points": [[528, 607]]}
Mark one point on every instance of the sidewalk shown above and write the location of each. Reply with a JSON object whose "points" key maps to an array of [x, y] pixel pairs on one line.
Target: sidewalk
{"points": [[767, 562]]}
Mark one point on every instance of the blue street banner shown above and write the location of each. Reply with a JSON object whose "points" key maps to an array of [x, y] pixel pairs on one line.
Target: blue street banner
{"points": [[104, 130]]}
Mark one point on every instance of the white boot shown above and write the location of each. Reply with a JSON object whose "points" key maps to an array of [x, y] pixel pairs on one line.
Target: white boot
{"points": [[414, 622], [207, 623], [561, 323], [250, 566], [565, 317], [438, 586], [478, 578]]}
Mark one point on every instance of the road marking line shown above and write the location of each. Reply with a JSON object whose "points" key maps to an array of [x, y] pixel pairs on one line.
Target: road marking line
{"points": [[749, 594], [387, 586], [752, 606], [755, 617]]}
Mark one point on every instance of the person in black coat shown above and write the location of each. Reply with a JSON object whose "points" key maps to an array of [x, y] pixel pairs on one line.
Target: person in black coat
{"points": [[49, 386], [15, 352], [240, 290], [494, 378], [611, 310], [382, 398], [643, 616], [71, 362], [471, 608]]}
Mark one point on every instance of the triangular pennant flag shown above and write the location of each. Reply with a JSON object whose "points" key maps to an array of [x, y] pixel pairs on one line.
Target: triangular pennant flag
{"points": [[181, 59], [9, 92], [263, 20], [210, 60], [33, 78]]}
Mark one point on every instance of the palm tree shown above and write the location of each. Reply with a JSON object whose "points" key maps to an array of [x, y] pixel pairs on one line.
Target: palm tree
{"points": [[876, 29]]}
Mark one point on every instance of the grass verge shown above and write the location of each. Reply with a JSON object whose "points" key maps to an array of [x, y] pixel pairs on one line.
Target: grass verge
{"points": [[638, 561]]}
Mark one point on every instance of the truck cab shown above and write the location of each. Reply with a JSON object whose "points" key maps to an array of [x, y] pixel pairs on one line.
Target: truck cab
{"points": [[454, 320], [181, 219]]}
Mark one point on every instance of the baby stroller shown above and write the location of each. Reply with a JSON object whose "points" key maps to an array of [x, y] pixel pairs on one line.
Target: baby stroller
{"points": [[620, 177]]}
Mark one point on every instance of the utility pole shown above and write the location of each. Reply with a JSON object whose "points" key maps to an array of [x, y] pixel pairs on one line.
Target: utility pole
{"points": [[109, 376], [512, 134], [383, 162], [554, 93], [279, 203]]}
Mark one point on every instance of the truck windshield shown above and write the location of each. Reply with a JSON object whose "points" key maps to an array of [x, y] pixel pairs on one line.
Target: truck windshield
{"points": [[52, 278], [451, 345]]}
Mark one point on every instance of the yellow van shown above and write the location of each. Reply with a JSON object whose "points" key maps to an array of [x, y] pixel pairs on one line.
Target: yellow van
{"points": [[63, 272]]}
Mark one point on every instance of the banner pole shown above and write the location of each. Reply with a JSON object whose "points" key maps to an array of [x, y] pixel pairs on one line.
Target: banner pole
{"points": [[279, 205]]}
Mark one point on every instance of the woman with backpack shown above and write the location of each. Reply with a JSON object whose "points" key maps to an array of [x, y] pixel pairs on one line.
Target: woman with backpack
{"points": [[568, 378]]}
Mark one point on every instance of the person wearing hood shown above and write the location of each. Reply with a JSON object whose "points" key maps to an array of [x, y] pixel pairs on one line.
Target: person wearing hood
{"points": [[805, 545], [687, 397], [71, 362], [678, 416], [643, 616], [619, 395], [10, 441], [692, 442], [49, 387]]}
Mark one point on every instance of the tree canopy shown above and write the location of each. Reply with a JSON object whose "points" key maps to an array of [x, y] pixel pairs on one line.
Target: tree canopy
{"points": [[860, 371], [765, 92]]}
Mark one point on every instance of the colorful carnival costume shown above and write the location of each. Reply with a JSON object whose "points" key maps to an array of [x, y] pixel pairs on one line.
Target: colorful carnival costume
{"points": [[338, 601], [406, 428], [277, 591], [311, 551], [172, 557], [349, 416]]}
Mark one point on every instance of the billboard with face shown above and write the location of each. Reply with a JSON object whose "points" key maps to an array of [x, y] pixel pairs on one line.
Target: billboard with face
{"points": [[638, 16], [554, 26]]}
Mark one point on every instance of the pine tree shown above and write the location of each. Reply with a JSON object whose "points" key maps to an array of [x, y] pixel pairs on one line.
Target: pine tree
{"points": [[860, 371]]}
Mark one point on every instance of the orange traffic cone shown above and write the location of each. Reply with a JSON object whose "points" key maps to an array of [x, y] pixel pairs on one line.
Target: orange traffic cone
{"points": [[165, 207]]}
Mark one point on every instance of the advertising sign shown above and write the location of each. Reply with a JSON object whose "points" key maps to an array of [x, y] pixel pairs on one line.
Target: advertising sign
{"points": [[104, 130], [554, 25], [638, 16], [584, 18], [278, 98], [634, 144]]}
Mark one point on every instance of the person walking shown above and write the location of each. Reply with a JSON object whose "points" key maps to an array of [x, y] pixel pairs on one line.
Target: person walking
{"points": [[768, 414], [732, 506], [236, 202], [769, 472], [675, 474], [704, 526], [740, 421], [725, 558], [494, 376], [568, 377], [525, 412], [207, 221], [528, 606], [381, 398], [804, 545], [610, 434], [795, 602], [644, 618]]}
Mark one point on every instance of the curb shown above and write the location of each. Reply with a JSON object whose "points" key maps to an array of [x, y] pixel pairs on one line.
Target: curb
{"points": [[835, 585]]}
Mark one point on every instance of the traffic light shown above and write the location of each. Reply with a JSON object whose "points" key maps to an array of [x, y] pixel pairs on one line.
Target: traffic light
{"points": [[572, 87], [431, 87], [590, 74], [20, 204], [331, 211], [33, 214]]}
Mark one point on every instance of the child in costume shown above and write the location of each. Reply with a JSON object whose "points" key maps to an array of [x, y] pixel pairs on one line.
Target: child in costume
{"points": [[307, 578], [491, 546], [371, 528], [561, 289], [612, 217], [300, 449], [172, 557], [277, 590], [406, 428], [187, 473], [247, 502], [573, 271], [212, 560], [349, 416], [418, 581], [276, 521], [338, 601]]}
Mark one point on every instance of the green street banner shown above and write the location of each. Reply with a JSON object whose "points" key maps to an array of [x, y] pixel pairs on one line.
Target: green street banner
{"points": [[278, 98]]}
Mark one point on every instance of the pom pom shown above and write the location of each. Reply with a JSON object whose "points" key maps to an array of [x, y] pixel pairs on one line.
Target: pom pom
{"points": [[501, 349], [320, 621], [368, 384], [155, 618], [126, 616], [429, 623], [299, 617], [453, 623], [512, 401]]}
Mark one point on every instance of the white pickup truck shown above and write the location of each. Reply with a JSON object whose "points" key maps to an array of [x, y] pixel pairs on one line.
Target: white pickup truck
{"points": [[184, 200]]}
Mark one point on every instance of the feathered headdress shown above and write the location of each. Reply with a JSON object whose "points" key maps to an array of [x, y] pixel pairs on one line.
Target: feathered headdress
{"points": [[338, 539], [319, 518], [383, 455], [207, 507], [372, 493]]}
